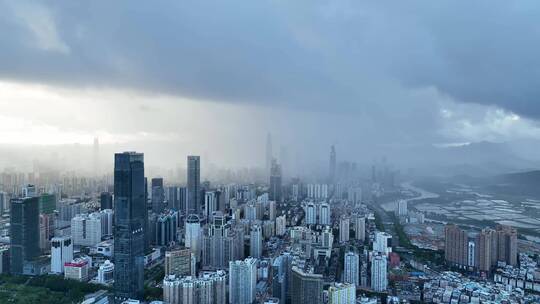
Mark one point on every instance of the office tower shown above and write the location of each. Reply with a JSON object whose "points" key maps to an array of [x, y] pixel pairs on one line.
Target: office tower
{"points": [[131, 224], [178, 262], [242, 281], [306, 287], [47, 203], [106, 222], [281, 225], [46, 230], [342, 294], [4, 259], [351, 271], [194, 184], [106, 200], [401, 208], [182, 200], [105, 274], [275, 192], [269, 155], [507, 250], [456, 245], [344, 229], [382, 243], [332, 167], [379, 281], [24, 232], [311, 214], [61, 253], [166, 228], [211, 203], [360, 227], [86, 229], [324, 214], [483, 249], [255, 242], [4, 202], [209, 288], [193, 235], [158, 195]]}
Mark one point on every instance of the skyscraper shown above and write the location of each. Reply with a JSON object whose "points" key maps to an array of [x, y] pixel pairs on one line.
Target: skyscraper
{"points": [[242, 281], [332, 166], [306, 287], [275, 191], [456, 245], [24, 232], [344, 225], [255, 242], [131, 224], [507, 250], [194, 185], [379, 280], [158, 195], [351, 271], [193, 235], [483, 249]]}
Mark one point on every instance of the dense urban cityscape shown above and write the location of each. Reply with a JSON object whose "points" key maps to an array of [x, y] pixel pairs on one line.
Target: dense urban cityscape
{"points": [[269, 152], [130, 238]]}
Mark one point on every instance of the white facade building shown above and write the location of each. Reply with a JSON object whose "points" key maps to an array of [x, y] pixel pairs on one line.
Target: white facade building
{"points": [[86, 229], [61, 253], [379, 279], [352, 267]]}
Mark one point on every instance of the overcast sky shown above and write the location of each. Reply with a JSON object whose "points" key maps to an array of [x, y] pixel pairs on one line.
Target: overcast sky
{"points": [[213, 77]]}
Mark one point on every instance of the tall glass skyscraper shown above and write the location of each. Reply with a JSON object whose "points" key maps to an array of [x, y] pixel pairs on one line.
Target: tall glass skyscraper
{"points": [[131, 216], [24, 232], [194, 185]]}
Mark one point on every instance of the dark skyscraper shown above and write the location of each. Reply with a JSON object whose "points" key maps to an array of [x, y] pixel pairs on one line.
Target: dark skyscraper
{"points": [[158, 195], [131, 216], [275, 190], [24, 232], [106, 200], [194, 184], [332, 167]]}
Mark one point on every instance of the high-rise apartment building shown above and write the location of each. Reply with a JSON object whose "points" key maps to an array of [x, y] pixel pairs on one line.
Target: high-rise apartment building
{"points": [[344, 229], [456, 243], [342, 294], [131, 224], [379, 279], [178, 262], [351, 269], [242, 281], [86, 229], [256, 242]]}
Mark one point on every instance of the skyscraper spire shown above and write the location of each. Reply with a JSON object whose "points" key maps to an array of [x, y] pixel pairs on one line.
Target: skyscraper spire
{"points": [[332, 167], [269, 155]]}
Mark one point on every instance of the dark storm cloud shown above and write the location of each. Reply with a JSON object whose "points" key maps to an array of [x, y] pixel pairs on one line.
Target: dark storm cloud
{"points": [[347, 55]]}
